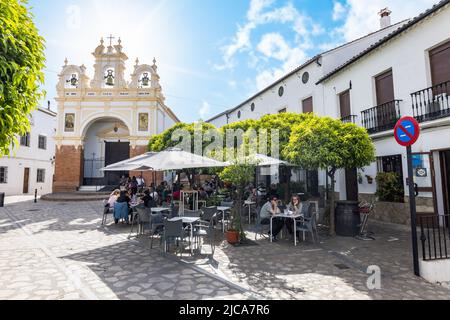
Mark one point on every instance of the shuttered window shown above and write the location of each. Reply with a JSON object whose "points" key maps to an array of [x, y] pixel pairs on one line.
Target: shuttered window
{"points": [[344, 104], [307, 105], [440, 64], [385, 88]]}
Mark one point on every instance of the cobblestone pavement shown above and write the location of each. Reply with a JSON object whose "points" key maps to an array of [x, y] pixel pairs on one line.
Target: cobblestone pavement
{"points": [[54, 250]]}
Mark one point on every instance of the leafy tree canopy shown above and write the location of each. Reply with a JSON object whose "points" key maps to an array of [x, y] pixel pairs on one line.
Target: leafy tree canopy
{"points": [[21, 63], [323, 143]]}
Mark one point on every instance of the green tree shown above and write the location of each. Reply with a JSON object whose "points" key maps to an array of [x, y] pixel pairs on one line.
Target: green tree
{"points": [[239, 174], [21, 63], [330, 145]]}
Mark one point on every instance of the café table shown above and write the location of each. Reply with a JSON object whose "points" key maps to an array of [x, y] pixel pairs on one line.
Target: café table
{"points": [[287, 216], [249, 204], [223, 210], [190, 221]]}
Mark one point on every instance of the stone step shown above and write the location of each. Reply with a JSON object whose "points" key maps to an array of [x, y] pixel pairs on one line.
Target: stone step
{"points": [[90, 188]]}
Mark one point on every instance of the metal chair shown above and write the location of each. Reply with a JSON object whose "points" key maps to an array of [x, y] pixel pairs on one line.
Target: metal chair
{"points": [[174, 233], [365, 210], [142, 218], [261, 229], [204, 232], [192, 213], [309, 222], [224, 217], [106, 211], [209, 214]]}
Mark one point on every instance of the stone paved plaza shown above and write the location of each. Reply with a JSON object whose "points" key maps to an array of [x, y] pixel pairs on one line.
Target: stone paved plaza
{"points": [[52, 250]]}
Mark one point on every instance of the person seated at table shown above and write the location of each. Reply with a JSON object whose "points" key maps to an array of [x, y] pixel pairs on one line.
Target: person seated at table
{"points": [[295, 206], [202, 195], [177, 192], [269, 209], [253, 196], [113, 198], [124, 198], [141, 183], [148, 200], [154, 194]]}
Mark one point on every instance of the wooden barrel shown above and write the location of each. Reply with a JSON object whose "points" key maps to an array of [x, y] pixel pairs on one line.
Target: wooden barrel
{"points": [[348, 219]]}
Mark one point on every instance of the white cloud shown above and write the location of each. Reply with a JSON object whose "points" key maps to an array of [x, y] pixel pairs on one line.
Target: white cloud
{"points": [[362, 17], [204, 110], [273, 45], [262, 12], [338, 11]]}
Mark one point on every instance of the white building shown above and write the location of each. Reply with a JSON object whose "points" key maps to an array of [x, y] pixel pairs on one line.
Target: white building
{"points": [[391, 69], [105, 119], [405, 74], [30, 166]]}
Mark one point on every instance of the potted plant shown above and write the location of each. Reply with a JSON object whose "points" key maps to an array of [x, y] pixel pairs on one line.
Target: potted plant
{"points": [[239, 174], [369, 179]]}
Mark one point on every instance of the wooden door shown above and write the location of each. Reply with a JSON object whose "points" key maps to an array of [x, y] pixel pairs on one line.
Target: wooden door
{"points": [[26, 180], [440, 64], [445, 168], [385, 113], [385, 88], [344, 104], [351, 184], [307, 105]]}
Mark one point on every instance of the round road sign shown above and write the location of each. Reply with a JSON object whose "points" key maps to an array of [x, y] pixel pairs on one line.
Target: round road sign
{"points": [[407, 131]]}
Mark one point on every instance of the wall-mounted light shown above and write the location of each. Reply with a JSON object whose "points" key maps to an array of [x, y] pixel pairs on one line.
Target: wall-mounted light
{"points": [[350, 85]]}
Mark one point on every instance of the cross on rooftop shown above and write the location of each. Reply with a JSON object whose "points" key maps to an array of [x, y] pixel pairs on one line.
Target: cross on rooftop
{"points": [[110, 39]]}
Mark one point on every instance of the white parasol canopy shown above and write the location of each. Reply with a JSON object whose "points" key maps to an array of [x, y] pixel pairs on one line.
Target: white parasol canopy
{"points": [[261, 160], [170, 159]]}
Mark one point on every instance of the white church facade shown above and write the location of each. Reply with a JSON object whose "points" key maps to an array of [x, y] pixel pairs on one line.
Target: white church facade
{"points": [[105, 119]]}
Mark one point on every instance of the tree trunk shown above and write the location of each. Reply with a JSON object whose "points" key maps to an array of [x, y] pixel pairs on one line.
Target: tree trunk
{"points": [[239, 212], [332, 199]]}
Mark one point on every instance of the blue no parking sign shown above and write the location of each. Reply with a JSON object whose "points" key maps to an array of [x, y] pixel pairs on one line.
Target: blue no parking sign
{"points": [[407, 131]]}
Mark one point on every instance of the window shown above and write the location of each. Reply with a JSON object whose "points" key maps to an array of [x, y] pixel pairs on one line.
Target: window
{"points": [[305, 78], [25, 140], [252, 107], [284, 110], [40, 175], [307, 105], [3, 174], [440, 64], [42, 142], [239, 114], [344, 104], [281, 91], [392, 164], [385, 88]]}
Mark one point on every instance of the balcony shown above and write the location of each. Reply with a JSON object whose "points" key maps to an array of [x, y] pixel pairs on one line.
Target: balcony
{"points": [[349, 119], [381, 118], [431, 103]]}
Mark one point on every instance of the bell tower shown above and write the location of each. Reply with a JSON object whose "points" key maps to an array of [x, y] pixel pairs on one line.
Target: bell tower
{"points": [[109, 66]]}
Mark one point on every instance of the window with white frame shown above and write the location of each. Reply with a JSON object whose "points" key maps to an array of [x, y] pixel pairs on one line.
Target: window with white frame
{"points": [[40, 176], [3, 174], [42, 142]]}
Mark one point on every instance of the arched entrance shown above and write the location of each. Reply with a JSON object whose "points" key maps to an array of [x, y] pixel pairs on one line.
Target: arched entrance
{"points": [[106, 141]]}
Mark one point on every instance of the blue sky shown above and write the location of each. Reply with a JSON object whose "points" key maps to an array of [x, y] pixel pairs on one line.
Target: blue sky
{"points": [[211, 54]]}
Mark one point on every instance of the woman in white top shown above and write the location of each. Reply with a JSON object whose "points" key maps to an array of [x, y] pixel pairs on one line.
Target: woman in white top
{"points": [[113, 198], [295, 206]]}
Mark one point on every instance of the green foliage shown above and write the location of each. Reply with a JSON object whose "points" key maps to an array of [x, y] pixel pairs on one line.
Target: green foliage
{"points": [[21, 63], [164, 140], [238, 174], [324, 143], [389, 188]]}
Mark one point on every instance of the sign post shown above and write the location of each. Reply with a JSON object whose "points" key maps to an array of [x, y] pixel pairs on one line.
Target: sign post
{"points": [[406, 133]]}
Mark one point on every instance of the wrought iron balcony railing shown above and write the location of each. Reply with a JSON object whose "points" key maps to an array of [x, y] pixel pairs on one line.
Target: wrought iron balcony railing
{"points": [[349, 119], [382, 117], [431, 103]]}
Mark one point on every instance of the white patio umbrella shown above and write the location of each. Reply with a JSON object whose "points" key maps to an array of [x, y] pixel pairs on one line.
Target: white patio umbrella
{"points": [[176, 159], [261, 160], [167, 160]]}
